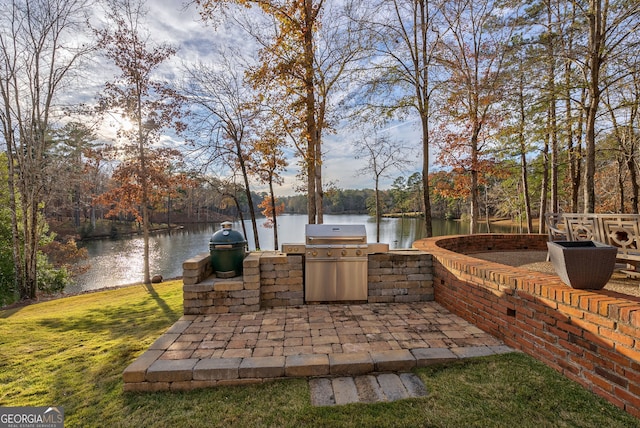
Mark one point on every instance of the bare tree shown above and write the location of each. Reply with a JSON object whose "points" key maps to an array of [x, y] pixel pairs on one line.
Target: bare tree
{"points": [[40, 52], [473, 53], [382, 156], [622, 100], [406, 35], [612, 25], [224, 116], [303, 63]]}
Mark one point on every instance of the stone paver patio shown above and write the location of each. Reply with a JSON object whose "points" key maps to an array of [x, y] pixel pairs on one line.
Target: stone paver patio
{"points": [[305, 341]]}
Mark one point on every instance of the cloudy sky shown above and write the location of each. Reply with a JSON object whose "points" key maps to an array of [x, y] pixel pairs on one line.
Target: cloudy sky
{"points": [[168, 21]]}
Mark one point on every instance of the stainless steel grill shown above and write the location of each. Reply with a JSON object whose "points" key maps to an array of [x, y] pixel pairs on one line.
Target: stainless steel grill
{"points": [[335, 263]]}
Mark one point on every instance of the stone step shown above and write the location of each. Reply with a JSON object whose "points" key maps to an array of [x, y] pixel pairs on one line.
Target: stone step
{"points": [[372, 388]]}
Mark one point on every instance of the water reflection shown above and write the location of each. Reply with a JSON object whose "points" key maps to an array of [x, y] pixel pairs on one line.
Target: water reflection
{"points": [[119, 262]]}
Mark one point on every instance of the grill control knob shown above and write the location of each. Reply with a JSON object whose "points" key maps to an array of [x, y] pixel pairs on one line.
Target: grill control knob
{"points": [[344, 252], [358, 252], [314, 253], [329, 253]]}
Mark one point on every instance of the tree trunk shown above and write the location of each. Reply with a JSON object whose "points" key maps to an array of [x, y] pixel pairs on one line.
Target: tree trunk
{"points": [[576, 181], [30, 240], [318, 180], [314, 153], [247, 190], [423, 95], [145, 192], [18, 279], [621, 167], [573, 152], [274, 214], [594, 61], [633, 176], [426, 197], [377, 184], [523, 156], [552, 120], [475, 200], [555, 207], [544, 185]]}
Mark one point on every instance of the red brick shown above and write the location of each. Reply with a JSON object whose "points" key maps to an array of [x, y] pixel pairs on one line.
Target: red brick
{"points": [[603, 306], [579, 379], [585, 325], [631, 353], [571, 347], [579, 360], [616, 309], [632, 410], [617, 337], [569, 367], [603, 357], [571, 311], [600, 320], [611, 377], [633, 376], [560, 330], [558, 351], [608, 396], [580, 297], [598, 340], [599, 382], [629, 330], [586, 301], [634, 318], [613, 356]]}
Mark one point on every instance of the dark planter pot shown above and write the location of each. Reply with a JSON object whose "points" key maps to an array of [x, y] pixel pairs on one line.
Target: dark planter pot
{"points": [[583, 264]]}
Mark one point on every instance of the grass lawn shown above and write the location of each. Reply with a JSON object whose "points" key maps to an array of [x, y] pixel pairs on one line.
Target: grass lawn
{"points": [[71, 352]]}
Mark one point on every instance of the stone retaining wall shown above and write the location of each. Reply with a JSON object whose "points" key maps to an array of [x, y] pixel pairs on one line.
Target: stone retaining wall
{"points": [[400, 276], [281, 280], [196, 269], [272, 279], [592, 337]]}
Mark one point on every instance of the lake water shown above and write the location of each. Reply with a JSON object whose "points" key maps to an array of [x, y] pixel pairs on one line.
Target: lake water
{"points": [[115, 262]]}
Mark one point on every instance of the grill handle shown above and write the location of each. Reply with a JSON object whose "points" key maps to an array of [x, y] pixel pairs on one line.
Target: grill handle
{"points": [[347, 238]]}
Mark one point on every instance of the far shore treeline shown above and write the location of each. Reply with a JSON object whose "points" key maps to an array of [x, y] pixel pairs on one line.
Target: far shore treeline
{"points": [[207, 204]]}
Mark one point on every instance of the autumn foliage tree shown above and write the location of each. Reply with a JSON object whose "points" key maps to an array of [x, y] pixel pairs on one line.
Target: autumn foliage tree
{"points": [[147, 107], [267, 164]]}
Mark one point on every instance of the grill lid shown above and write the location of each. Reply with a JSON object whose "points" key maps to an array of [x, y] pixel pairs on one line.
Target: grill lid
{"points": [[226, 235], [327, 234]]}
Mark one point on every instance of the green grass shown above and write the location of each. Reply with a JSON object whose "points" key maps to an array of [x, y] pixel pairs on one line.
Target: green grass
{"points": [[71, 352]]}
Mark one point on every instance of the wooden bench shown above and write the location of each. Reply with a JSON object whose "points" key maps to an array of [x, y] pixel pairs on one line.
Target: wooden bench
{"points": [[618, 230]]}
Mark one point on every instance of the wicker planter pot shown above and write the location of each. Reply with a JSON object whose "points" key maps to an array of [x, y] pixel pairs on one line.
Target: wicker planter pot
{"points": [[583, 264]]}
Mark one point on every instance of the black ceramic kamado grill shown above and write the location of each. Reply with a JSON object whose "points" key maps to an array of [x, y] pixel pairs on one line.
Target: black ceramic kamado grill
{"points": [[228, 249]]}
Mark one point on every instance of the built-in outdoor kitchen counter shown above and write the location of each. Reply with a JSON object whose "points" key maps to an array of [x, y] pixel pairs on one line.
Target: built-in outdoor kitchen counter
{"points": [[275, 278]]}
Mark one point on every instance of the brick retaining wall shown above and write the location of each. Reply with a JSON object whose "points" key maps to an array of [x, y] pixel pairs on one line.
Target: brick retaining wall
{"points": [[592, 337]]}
